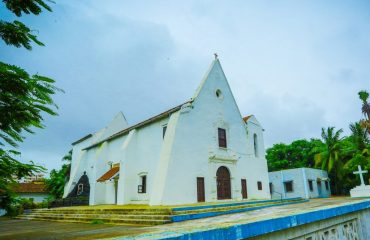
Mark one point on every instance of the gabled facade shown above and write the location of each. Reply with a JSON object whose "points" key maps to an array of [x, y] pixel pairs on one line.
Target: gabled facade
{"points": [[202, 150]]}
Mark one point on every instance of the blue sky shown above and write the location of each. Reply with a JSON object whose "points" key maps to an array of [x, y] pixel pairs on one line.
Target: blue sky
{"points": [[296, 65]]}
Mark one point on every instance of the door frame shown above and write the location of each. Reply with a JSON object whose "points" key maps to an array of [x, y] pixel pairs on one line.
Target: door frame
{"points": [[223, 183]]}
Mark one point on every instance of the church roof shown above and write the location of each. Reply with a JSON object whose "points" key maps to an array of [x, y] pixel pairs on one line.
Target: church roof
{"points": [[82, 139], [140, 124], [109, 174]]}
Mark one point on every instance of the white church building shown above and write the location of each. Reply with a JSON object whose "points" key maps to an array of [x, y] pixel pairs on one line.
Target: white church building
{"points": [[200, 151]]}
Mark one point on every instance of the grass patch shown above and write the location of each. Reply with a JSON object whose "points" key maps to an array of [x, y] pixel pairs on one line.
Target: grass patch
{"points": [[97, 221]]}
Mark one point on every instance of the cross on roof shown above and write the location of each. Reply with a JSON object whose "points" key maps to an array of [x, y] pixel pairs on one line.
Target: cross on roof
{"points": [[360, 172]]}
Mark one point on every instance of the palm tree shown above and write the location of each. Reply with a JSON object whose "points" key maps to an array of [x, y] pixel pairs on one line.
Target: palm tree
{"points": [[327, 156], [365, 123]]}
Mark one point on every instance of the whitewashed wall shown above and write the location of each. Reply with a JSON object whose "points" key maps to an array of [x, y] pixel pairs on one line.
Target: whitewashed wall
{"points": [[196, 142], [300, 177]]}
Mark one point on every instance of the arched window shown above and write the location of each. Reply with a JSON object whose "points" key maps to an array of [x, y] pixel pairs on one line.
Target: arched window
{"points": [[255, 143]]}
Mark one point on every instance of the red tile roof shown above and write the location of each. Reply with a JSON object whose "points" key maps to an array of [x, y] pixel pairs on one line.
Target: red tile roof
{"points": [[34, 187], [246, 118], [108, 175]]}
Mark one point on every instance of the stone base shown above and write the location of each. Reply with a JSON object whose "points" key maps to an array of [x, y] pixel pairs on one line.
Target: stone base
{"points": [[361, 191]]}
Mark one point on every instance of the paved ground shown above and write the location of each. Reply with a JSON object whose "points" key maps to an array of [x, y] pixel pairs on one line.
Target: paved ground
{"points": [[23, 229]]}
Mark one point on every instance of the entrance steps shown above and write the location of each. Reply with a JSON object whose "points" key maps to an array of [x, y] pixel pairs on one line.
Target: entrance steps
{"points": [[133, 216], [128, 215]]}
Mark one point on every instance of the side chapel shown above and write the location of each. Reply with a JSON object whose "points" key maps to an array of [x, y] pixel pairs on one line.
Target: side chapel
{"points": [[200, 151]]}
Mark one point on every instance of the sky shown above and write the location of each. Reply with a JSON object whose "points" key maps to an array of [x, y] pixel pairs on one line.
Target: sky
{"points": [[296, 65]]}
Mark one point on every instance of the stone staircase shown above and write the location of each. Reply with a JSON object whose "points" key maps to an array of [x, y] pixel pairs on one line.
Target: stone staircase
{"points": [[148, 216], [133, 216]]}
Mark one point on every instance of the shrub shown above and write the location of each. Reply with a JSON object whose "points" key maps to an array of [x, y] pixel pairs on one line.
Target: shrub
{"points": [[97, 221]]}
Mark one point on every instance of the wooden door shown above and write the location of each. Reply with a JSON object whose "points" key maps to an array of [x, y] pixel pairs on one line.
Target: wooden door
{"points": [[223, 183], [200, 189], [244, 189]]}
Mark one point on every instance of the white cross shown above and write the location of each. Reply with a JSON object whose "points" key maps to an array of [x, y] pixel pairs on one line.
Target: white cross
{"points": [[360, 172]]}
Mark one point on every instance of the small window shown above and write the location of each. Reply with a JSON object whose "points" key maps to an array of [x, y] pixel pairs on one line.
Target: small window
{"points": [[327, 185], [164, 131], [288, 186], [259, 185], [218, 93], [255, 144], [310, 184], [143, 184], [271, 187], [222, 138], [80, 189]]}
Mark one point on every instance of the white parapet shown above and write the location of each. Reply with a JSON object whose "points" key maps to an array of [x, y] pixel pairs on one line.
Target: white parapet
{"points": [[360, 191]]}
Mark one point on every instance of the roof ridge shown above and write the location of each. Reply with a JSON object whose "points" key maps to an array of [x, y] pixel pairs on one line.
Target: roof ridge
{"points": [[140, 124]]}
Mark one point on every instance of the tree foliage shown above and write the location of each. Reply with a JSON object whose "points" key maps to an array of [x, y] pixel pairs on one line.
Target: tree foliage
{"points": [[59, 178], [57, 181], [328, 155], [295, 155], [27, 6], [24, 98], [365, 123]]}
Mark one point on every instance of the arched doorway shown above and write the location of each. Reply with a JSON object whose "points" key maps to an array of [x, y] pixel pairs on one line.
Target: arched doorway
{"points": [[223, 183]]}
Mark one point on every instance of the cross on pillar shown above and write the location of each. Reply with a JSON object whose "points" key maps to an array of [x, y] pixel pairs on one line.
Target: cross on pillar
{"points": [[360, 172]]}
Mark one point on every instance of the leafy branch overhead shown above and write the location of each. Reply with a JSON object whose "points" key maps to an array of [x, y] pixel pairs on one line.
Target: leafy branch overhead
{"points": [[24, 99], [27, 6], [18, 35]]}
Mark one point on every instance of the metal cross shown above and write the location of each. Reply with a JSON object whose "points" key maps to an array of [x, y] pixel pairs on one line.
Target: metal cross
{"points": [[360, 172]]}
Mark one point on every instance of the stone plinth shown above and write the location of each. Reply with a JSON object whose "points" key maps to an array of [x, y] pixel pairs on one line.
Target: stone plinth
{"points": [[361, 191]]}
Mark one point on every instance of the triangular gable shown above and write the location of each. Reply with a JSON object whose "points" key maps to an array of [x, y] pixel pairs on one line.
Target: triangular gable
{"points": [[215, 74], [117, 124]]}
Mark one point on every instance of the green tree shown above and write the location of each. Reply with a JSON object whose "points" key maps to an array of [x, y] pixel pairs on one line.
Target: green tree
{"points": [[24, 98], [59, 178], [294, 155], [365, 123], [357, 152], [328, 156]]}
